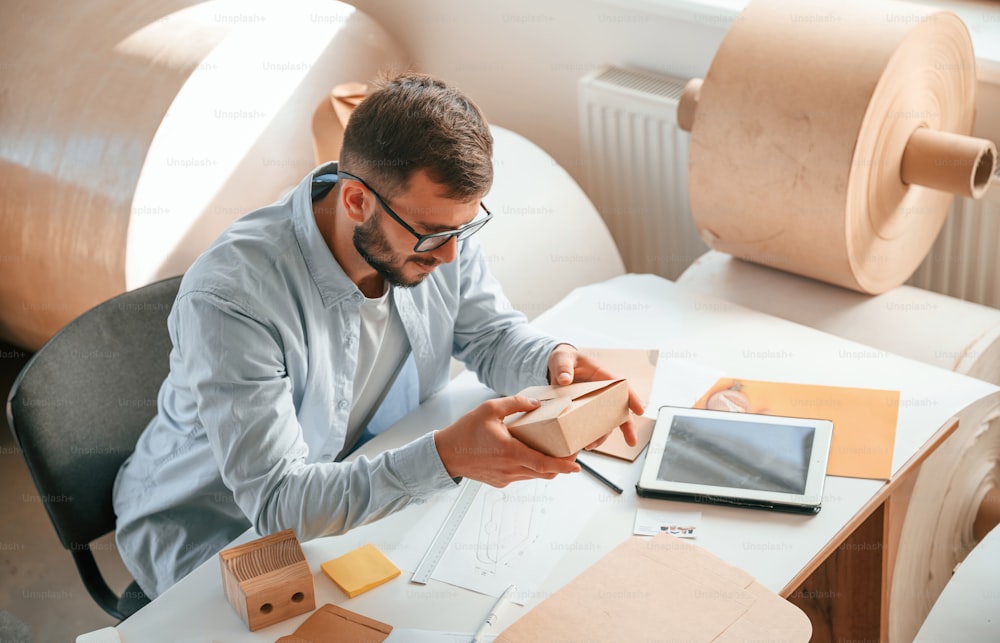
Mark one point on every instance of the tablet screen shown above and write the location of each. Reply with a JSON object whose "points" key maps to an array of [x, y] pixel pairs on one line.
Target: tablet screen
{"points": [[726, 453]]}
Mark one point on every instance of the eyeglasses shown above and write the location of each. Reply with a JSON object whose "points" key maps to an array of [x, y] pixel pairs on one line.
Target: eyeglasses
{"points": [[433, 241]]}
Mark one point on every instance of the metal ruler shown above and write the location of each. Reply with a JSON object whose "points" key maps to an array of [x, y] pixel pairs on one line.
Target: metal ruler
{"points": [[439, 545]]}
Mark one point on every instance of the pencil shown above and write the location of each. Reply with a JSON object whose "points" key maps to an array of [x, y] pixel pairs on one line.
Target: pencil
{"points": [[589, 469]]}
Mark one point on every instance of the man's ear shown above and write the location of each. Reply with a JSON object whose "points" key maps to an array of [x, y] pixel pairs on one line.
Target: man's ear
{"points": [[352, 197]]}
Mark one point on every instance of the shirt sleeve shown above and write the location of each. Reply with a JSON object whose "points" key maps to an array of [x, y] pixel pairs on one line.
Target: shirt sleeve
{"points": [[234, 364], [491, 337]]}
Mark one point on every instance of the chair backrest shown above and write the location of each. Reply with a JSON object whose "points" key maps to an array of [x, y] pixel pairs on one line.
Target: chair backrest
{"points": [[79, 404]]}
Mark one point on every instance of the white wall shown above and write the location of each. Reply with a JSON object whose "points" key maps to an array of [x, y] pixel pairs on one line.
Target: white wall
{"points": [[520, 60]]}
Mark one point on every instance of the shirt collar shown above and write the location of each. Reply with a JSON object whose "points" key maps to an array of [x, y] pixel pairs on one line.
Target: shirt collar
{"points": [[330, 279]]}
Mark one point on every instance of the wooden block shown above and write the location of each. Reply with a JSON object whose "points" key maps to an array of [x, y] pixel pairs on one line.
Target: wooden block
{"points": [[268, 580]]}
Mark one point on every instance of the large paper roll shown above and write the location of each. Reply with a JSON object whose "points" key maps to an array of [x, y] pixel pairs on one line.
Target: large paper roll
{"points": [[140, 131], [956, 495], [951, 333], [828, 140], [956, 489]]}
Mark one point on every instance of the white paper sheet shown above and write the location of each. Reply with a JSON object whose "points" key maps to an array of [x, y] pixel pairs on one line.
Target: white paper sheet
{"points": [[513, 535]]}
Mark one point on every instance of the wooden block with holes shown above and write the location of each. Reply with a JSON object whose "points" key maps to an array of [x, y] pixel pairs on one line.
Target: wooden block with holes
{"points": [[268, 580]]}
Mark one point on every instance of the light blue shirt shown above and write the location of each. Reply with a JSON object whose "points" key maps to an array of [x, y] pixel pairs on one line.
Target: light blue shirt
{"points": [[254, 411]]}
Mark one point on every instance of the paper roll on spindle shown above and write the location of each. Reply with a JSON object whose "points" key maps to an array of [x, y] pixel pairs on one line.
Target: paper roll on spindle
{"points": [[961, 165], [801, 125], [687, 106]]}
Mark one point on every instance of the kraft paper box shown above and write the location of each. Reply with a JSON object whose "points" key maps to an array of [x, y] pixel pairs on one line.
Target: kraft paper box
{"points": [[571, 417]]}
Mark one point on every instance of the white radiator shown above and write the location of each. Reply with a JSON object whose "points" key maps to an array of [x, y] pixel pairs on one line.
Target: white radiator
{"points": [[964, 261], [635, 160]]}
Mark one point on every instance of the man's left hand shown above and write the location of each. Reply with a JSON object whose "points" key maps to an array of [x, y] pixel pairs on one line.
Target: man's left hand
{"points": [[568, 365]]}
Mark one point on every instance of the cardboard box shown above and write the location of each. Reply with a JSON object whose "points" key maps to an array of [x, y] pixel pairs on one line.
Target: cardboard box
{"points": [[571, 417]]}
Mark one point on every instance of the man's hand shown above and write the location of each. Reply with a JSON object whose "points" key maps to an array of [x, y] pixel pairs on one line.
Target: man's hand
{"points": [[479, 446], [567, 365]]}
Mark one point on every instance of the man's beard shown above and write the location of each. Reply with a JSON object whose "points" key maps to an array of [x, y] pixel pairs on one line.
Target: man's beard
{"points": [[371, 244]]}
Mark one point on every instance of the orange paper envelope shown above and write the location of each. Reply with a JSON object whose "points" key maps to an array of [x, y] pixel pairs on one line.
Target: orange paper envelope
{"points": [[864, 420]]}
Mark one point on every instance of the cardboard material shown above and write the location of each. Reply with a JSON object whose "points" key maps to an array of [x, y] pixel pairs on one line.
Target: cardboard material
{"points": [[334, 624], [360, 570], [638, 366], [961, 165], [616, 446], [571, 417], [864, 420], [661, 588]]}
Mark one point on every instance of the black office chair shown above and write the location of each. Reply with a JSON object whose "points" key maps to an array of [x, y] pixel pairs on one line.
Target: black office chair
{"points": [[76, 410]]}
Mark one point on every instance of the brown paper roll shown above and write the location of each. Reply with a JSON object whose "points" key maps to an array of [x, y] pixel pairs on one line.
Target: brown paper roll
{"points": [[140, 132], [955, 490], [926, 326], [800, 131]]}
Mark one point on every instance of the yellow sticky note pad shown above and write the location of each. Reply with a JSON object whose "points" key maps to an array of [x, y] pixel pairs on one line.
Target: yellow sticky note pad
{"points": [[360, 570]]}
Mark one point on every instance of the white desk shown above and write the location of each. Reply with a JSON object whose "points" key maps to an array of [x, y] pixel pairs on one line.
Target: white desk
{"points": [[633, 311]]}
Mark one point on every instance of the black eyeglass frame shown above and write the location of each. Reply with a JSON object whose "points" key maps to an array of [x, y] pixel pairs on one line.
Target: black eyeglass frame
{"points": [[464, 232]]}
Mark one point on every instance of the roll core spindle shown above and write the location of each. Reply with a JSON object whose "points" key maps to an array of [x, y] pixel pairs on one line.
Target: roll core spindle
{"points": [[988, 515], [688, 104], [960, 165]]}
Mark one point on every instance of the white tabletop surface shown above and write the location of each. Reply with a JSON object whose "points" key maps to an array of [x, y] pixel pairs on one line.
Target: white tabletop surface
{"points": [[632, 311]]}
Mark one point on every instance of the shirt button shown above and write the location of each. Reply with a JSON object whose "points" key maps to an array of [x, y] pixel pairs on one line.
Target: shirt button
{"points": [[342, 405], [327, 456], [349, 340]]}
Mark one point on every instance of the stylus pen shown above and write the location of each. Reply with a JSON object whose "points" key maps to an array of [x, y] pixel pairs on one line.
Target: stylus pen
{"points": [[589, 469], [493, 616]]}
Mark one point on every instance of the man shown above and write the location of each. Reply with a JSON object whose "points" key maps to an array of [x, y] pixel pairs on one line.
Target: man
{"points": [[334, 311]]}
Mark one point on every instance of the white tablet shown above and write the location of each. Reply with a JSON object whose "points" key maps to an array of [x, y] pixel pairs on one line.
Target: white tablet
{"points": [[741, 459]]}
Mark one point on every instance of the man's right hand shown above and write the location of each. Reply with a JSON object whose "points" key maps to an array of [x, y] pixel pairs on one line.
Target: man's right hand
{"points": [[479, 446]]}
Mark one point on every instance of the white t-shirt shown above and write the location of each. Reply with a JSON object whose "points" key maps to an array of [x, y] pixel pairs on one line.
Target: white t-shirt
{"points": [[382, 344]]}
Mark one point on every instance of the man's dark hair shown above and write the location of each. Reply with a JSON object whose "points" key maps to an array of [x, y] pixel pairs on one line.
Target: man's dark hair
{"points": [[417, 122]]}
